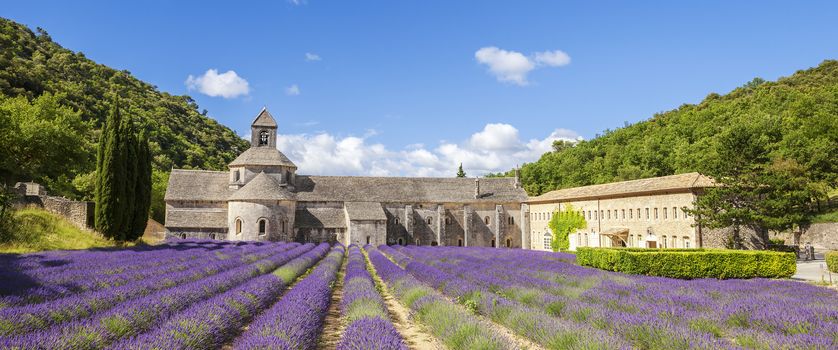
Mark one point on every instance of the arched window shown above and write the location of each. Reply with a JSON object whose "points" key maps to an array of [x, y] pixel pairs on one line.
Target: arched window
{"points": [[397, 221], [486, 220], [368, 239], [263, 227], [401, 241], [664, 241], [586, 239], [238, 226], [418, 242], [182, 236], [547, 239], [263, 138], [283, 225], [447, 221], [512, 220], [459, 242], [430, 220], [493, 243], [212, 236], [508, 243], [686, 242]]}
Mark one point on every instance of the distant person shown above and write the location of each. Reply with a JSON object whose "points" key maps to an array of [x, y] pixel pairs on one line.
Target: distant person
{"points": [[807, 249]]}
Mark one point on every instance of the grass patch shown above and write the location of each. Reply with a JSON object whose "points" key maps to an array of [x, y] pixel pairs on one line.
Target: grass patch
{"points": [[39, 230]]}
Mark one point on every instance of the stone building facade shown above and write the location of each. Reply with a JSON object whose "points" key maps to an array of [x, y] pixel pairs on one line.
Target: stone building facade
{"points": [[262, 197], [646, 213]]}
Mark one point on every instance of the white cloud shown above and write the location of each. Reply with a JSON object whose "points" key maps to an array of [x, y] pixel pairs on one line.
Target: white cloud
{"points": [[227, 84], [292, 90], [297, 2], [513, 67], [313, 57], [495, 148], [554, 58], [507, 66]]}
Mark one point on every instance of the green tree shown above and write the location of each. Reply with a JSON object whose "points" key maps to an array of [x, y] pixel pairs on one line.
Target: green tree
{"points": [[460, 172], [41, 139], [562, 224], [109, 213], [128, 149], [142, 196]]}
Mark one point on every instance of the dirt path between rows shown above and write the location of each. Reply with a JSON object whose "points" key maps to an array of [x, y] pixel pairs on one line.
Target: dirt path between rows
{"points": [[334, 323], [415, 334]]}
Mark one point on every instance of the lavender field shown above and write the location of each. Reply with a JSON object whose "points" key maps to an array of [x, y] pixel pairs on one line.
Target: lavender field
{"points": [[190, 294]]}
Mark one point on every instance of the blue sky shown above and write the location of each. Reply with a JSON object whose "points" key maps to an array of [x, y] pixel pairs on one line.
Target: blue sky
{"points": [[415, 87]]}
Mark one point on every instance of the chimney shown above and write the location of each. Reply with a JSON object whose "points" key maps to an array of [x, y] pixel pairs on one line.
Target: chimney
{"points": [[476, 188], [517, 177]]}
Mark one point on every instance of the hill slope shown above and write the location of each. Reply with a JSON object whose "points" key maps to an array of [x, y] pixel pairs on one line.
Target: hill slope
{"points": [[39, 230], [32, 65], [800, 113]]}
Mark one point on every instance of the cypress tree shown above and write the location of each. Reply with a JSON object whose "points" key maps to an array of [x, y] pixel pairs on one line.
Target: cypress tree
{"points": [[128, 146], [110, 175], [142, 201]]}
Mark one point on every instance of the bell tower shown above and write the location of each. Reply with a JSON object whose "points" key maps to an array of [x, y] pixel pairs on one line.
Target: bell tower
{"points": [[263, 130]]}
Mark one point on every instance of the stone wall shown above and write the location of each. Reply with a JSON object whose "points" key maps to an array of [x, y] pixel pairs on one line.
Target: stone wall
{"points": [[821, 236], [78, 213]]}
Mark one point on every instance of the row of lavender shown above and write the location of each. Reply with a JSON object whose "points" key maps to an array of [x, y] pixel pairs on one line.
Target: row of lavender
{"points": [[368, 324], [31, 317], [645, 312], [40, 277], [126, 314], [450, 323]]}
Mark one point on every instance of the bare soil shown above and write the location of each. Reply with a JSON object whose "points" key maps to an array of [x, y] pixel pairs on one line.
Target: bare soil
{"points": [[334, 323]]}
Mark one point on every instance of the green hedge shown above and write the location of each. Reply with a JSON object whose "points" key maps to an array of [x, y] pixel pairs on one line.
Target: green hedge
{"points": [[832, 260], [690, 263]]}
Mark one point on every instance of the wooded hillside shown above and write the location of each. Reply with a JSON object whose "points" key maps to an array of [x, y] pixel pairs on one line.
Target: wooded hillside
{"points": [[33, 66], [797, 119]]}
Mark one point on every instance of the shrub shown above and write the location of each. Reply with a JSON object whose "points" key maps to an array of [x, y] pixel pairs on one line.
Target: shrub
{"points": [[690, 263], [832, 260]]}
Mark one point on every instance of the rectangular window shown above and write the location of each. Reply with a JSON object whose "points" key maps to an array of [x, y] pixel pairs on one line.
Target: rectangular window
{"points": [[595, 215], [624, 214], [686, 242], [631, 214], [656, 213], [638, 213], [664, 241], [664, 213], [684, 210], [602, 214], [647, 213], [674, 213], [547, 242], [609, 215]]}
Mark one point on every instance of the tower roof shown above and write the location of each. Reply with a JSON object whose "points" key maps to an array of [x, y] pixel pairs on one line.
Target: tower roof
{"points": [[264, 119], [262, 187], [267, 156]]}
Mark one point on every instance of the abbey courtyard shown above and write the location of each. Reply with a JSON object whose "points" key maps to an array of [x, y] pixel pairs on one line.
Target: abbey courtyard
{"points": [[262, 197]]}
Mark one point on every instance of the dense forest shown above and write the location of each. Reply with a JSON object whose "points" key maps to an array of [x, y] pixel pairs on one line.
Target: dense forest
{"points": [[53, 104], [797, 118]]}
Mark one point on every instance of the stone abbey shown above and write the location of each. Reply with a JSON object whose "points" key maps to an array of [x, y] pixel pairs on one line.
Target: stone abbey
{"points": [[262, 197]]}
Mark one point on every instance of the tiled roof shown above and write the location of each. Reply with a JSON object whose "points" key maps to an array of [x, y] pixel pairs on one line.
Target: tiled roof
{"points": [[262, 187], [405, 189], [198, 185], [196, 218], [365, 211], [320, 218], [264, 119], [680, 182], [263, 155]]}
